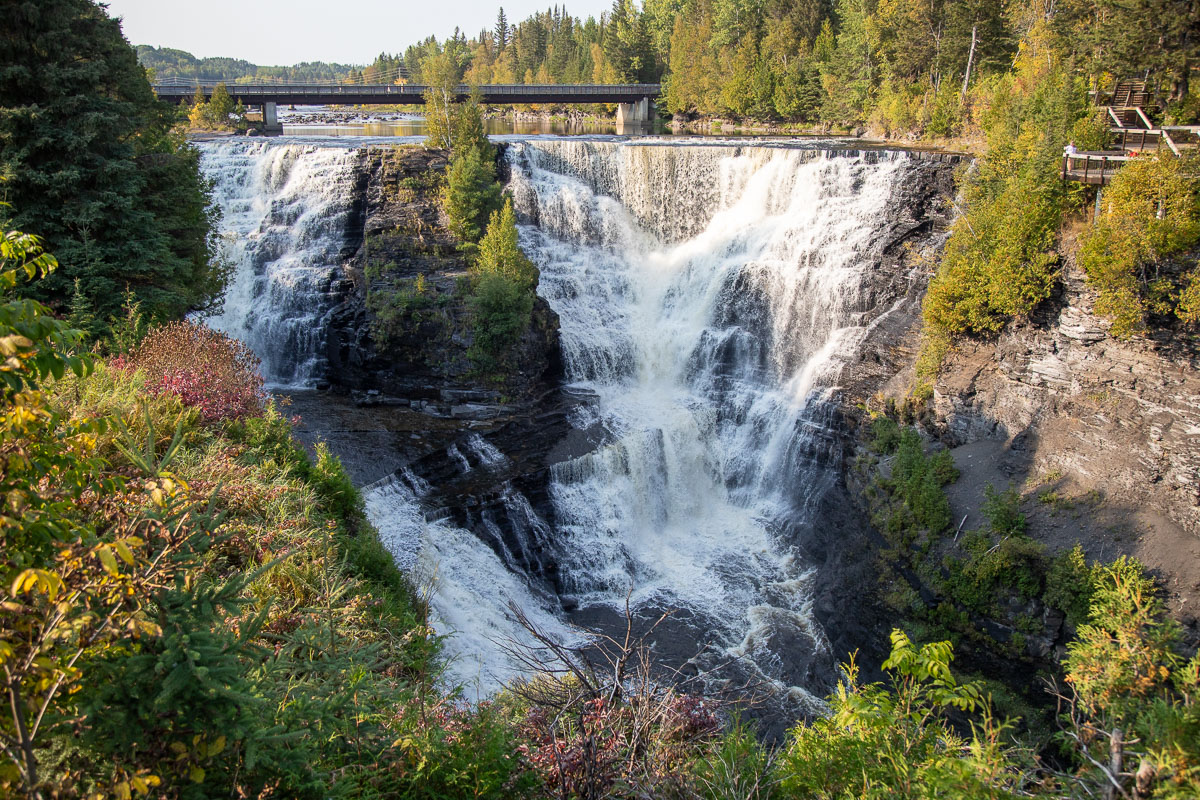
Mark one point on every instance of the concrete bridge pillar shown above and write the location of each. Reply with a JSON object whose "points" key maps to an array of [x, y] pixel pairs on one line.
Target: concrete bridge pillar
{"points": [[271, 123], [638, 115]]}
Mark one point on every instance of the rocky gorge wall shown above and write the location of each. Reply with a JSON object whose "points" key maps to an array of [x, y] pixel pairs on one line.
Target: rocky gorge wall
{"points": [[1107, 429], [403, 394]]}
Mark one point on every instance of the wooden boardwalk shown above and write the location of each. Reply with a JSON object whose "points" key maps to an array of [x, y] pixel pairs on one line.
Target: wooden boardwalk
{"points": [[1132, 134], [1093, 169]]}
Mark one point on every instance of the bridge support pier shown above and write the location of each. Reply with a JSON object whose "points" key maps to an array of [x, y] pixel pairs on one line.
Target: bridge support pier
{"points": [[271, 123], [637, 116]]}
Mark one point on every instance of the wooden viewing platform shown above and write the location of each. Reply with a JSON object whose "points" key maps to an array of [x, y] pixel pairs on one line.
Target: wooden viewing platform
{"points": [[1132, 133], [1094, 168]]}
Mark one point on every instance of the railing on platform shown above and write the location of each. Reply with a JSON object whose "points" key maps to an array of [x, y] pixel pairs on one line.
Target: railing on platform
{"points": [[1097, 169]]}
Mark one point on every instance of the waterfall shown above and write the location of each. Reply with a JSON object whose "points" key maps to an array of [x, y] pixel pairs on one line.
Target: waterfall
{"points": [[709, 297], [285, 209], [470, 587]]}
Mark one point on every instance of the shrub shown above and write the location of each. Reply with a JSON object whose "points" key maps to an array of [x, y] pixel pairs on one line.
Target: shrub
{"points": [[885, 435], [897, 741], [1003, 511], [204, 368], [1069, 584], [919, 485], [1134, 691], [1150, 211]]}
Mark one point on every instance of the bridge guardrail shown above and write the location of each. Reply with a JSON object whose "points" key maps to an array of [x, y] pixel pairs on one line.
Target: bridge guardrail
{"points": [[491, 92]]}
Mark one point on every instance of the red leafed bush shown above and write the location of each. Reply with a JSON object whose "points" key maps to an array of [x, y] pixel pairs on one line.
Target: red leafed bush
{"points": [[204, 368], [645, 741]]}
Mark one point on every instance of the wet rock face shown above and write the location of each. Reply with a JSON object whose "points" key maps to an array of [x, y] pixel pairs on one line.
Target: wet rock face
{"points": [[419, 355], [428, 410], [1121, 416]]}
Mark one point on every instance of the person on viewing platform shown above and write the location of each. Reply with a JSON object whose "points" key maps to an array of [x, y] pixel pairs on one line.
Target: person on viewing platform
{"points": [[1069, 150]]}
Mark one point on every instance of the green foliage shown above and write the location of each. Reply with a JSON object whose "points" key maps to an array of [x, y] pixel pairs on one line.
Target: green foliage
{"points": [[168, 63], [885, 435], [502, 293], [500, 312], [472, 194], [442, 75], [1150, 211], [81, 317], [1070, 583], [216, 113], [898, 742], [991, 572], [738, 766], [500, 253], [195, 611], [397, 309], [94, 166], [1003, 512], [918, 482], [1000, 261], [1127, 674], [129, 329]]}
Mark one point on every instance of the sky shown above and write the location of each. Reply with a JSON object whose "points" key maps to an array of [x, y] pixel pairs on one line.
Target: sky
{"points": [[284, 32]]}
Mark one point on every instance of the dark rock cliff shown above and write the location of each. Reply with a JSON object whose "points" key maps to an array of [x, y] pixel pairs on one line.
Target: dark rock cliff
{"points": [[397, 343]]}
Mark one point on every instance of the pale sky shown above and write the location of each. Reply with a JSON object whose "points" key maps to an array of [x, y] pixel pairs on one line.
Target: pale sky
{"points": [[284, 32]]}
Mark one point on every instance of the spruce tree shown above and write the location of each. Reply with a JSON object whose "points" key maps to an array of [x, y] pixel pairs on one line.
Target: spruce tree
{"points": [[501, 31], [93, 166], [472, 194], [500, 252]]}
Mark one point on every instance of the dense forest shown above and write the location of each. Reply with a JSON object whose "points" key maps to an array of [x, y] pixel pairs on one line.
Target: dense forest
{"points": [[193, 606], [170, 64], [901, 66]]}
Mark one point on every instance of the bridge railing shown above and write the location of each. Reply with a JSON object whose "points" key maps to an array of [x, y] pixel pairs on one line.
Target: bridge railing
{"points": [[490, 91]]}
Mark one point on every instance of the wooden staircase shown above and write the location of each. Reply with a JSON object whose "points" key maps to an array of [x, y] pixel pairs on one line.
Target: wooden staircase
{"points": [[1130, 94]]}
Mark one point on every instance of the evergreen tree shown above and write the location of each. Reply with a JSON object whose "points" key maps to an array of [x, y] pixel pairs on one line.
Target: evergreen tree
{"points": [[501, 31], [500, 252], [627, 44], [503, 291], [692, 84], [472, 194], [81, 316], [94, 167]]}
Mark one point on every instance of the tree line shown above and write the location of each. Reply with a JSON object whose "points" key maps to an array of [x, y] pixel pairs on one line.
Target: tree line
{"points": [[899, 63]]}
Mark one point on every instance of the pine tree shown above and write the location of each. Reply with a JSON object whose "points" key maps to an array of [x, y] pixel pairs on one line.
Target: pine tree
{"points": [[501, 31], [81, 316], [502, 294]]}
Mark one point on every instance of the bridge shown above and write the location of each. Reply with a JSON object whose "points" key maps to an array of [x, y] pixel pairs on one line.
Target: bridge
{"points": [[635, 102]]}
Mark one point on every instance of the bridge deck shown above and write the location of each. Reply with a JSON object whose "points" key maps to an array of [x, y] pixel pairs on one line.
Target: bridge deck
{"points": [[396, 94]]}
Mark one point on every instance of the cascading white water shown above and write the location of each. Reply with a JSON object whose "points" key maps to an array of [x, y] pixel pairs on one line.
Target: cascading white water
{"points": [[471, 586], [708, 296], [285, 207]]}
